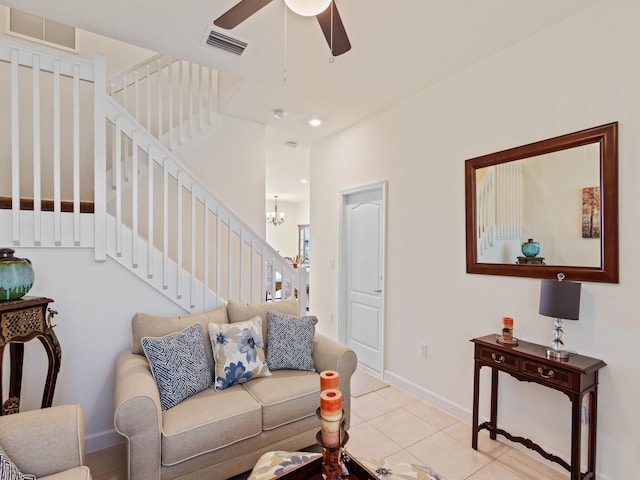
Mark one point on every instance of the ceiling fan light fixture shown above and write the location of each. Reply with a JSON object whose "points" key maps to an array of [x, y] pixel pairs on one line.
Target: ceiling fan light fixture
{"points": [[308, 8]]}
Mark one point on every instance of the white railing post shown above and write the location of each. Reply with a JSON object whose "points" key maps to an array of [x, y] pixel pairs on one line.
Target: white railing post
{"points": [[37, 173], [15, 146], [76, 155], [100, 158]]}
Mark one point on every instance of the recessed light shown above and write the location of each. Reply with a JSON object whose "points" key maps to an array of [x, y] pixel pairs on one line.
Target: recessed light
{"points": [[314, 122], [304, 180], [278, 113], [290, 144]]}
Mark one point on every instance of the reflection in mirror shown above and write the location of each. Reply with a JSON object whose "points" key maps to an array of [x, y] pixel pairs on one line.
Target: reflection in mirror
{"points": [[560, 194], [540, 198]]}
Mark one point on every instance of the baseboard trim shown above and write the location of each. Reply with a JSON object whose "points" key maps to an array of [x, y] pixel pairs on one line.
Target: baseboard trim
{"points": [[102, 440], [434, 399]]}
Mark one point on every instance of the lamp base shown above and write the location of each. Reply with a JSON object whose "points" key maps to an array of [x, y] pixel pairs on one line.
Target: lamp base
{"points": [[559, 354]]}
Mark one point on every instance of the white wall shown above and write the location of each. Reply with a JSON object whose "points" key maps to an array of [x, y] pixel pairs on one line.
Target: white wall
{"points": [[95, 303], [580, 73], [222, 161]]}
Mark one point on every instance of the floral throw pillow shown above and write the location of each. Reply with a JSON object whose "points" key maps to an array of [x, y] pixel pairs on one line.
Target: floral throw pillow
{"points": [[238, 351]]}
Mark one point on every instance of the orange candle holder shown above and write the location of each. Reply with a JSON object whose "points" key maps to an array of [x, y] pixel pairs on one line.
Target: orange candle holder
{"points": [[332, 437]]}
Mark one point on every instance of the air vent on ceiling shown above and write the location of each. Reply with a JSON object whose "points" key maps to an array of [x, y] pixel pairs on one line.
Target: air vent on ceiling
{"points": [[224, 42]]}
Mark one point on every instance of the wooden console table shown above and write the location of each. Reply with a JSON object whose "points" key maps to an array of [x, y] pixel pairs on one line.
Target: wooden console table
{"points": [[23, 320], [575, 377]]}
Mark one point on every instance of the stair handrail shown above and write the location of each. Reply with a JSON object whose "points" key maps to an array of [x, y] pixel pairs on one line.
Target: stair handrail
{"points": [[144, 140]]}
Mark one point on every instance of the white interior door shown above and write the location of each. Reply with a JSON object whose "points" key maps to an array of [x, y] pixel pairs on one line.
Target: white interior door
{"points": [[362, 273]]}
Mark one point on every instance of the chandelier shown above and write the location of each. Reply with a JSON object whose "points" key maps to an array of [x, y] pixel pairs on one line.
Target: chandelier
{"points": [[274, 217]]}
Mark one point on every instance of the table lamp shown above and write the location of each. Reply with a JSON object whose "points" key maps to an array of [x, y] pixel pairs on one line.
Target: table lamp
{"points": [[560, 300]]}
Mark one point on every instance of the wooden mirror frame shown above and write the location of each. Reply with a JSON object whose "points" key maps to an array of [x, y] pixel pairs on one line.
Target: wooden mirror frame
{"points": [[607, 137]]}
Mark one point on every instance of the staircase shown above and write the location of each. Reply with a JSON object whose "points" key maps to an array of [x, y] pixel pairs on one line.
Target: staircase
{"points": [[499, 206], [150, 213]]}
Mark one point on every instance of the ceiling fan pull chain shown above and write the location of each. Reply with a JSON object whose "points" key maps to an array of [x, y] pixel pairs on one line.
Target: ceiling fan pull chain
{"points": [[284, 72]]}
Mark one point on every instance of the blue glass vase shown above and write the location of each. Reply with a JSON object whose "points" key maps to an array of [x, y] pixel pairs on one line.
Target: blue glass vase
{"points": [[530, 248]]}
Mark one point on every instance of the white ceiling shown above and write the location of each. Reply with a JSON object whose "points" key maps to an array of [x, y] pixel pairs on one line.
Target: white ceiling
{"points": [[398, 48]]}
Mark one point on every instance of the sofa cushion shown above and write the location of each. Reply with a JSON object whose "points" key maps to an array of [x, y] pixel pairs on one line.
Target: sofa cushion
{"points": [[145, 325], [209, 421], [10, 470], [290, 341], [239, 312], [76, 473], [286, 396], [178, 364], [238, 350]]}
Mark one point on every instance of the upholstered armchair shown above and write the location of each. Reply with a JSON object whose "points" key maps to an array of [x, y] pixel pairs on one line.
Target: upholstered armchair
{"points": [[47, 443]]}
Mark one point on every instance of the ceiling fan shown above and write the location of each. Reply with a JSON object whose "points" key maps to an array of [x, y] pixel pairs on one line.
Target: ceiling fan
{"points": [[324, 11]]}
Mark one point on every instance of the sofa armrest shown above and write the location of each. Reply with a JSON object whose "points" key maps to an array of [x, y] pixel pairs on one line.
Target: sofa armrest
{"points": [[331, 355], [44, 441], [138, 415]]}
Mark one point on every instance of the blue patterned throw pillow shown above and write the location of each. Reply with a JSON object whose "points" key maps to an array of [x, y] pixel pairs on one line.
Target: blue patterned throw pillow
{"points": [[238, 351], [179, 364], [10, 471], [290, 341]]}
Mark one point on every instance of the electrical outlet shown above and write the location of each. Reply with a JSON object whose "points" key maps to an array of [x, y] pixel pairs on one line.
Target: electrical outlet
{"points": [[423, 350]]}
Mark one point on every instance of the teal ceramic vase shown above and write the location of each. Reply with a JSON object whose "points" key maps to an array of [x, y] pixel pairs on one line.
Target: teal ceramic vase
{"points": [[530, 248], [16, 275]]}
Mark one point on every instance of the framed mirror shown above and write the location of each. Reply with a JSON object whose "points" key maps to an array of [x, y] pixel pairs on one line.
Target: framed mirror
{"points": [[545, 208]]}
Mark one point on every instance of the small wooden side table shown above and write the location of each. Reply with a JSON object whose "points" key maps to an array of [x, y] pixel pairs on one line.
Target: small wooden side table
{"points": [[575, 377], [23, 320]]}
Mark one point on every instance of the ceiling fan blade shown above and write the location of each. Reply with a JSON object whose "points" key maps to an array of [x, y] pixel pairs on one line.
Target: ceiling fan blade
{"points": [[337, 37], [238, 14]]}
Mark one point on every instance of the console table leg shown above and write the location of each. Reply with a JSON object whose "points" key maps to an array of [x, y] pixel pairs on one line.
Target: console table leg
{"points": [[593, 417], [54, 353], [16, 354], [476, 394], [1, 370], [494, 402], [576, 428]]}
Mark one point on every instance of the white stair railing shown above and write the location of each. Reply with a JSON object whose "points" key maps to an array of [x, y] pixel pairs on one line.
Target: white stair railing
{"points": [[160, 222], [173, 99], [48, 91], [499, 204]]}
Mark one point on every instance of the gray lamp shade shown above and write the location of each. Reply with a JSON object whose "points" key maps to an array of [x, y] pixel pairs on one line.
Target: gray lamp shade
{"points": [[560, 299]]}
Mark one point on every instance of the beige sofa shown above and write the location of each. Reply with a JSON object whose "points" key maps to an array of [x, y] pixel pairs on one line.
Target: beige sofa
{"points": [[47, 443], [219, 434]]}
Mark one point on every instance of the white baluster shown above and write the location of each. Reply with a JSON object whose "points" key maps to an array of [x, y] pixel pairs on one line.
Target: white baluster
{"points": [[165, 224], [179, 234], [117, 163], [37, 174], [100, 158], [57, 214], [15, 145], [160, 98], [150, 204], [134, 203], [76, 155]]}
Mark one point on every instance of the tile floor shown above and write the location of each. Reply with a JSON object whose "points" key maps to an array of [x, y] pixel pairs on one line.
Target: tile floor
{"points": [[389, 423]]}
